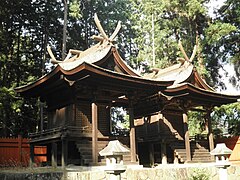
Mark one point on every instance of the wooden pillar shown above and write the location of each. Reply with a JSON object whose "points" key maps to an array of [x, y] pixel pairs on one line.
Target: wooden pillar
{"points": [[164, 153], [20, 149], [41, 116], [132, 136], [209, 130], [110, 119], [151, 153], [175, 161], [94, 133], [64, 152], [54, 154], [31, 155], [186, 136]]}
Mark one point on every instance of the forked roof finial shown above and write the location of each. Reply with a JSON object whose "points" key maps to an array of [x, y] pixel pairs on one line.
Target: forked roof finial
{"points": [[104, 36], [186, 58], [74, 54]]}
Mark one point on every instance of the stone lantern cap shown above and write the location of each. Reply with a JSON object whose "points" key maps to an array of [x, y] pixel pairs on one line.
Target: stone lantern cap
{"points": [[114, 148], [221, 149]]}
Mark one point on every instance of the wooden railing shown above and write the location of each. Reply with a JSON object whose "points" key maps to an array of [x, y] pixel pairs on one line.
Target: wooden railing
{"points": [[45, 132], [61, 130]]}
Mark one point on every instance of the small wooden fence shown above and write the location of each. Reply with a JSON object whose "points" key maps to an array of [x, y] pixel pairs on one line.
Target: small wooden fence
{"points": [[16, 152], [232, 143]]}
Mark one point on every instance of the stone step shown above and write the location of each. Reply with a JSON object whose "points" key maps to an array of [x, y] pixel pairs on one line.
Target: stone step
{"points": [[202, 161], [201, 158], [180, 150], [198, 153], [86, 156], [87, 161], [202, 154], [127, 156], [90, 142], [193, 154], [85, 150], [200, 150], [101, 145]]}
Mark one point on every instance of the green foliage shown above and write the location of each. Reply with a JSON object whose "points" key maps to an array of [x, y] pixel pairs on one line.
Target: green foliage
{"points": [[74, 9], [196, 123], [230, 13], [199, 174], [195, 7], [17, 117], [218, 30], [81, 30], [226, 119], [120, 121], [223, 47], [21, 52], [160, 24]]}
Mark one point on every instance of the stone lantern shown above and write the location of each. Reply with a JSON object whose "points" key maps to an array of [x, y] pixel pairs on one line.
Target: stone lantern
{"points": [[221, 153], [114, 152]]}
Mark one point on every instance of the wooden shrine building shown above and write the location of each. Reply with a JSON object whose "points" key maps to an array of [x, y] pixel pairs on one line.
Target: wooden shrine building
{"points": [[80, 91]]}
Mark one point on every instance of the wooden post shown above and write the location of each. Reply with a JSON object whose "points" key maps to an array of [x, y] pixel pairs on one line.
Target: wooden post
{"points": [[20, 149], [209, 130], [151, 153], [94, 133], [132, 136], [175, 161], [64, 153], [54, 154], [41, 117], [186, 136], [164, 153], [31, 155]]}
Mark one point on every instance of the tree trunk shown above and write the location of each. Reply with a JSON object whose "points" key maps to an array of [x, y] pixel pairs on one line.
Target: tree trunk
{"points": [[64, 29]]}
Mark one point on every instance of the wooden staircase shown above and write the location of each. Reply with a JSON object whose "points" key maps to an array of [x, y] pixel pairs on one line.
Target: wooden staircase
{"points": [[85, 149], [199, 153]]}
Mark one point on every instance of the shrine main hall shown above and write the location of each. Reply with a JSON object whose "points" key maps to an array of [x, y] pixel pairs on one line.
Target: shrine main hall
{"points": [[81, 91]]}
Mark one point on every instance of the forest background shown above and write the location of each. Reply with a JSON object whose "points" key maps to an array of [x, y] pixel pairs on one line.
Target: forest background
{"points": [[148, 38]]}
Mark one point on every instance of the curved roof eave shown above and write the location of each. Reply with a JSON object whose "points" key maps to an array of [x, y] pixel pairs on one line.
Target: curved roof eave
{"points": [[119, 61], [99, 53], [208, 93], [202, 82], [92, 55], [39, 81], [112, 74], [88, 68], [177, 73]]}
